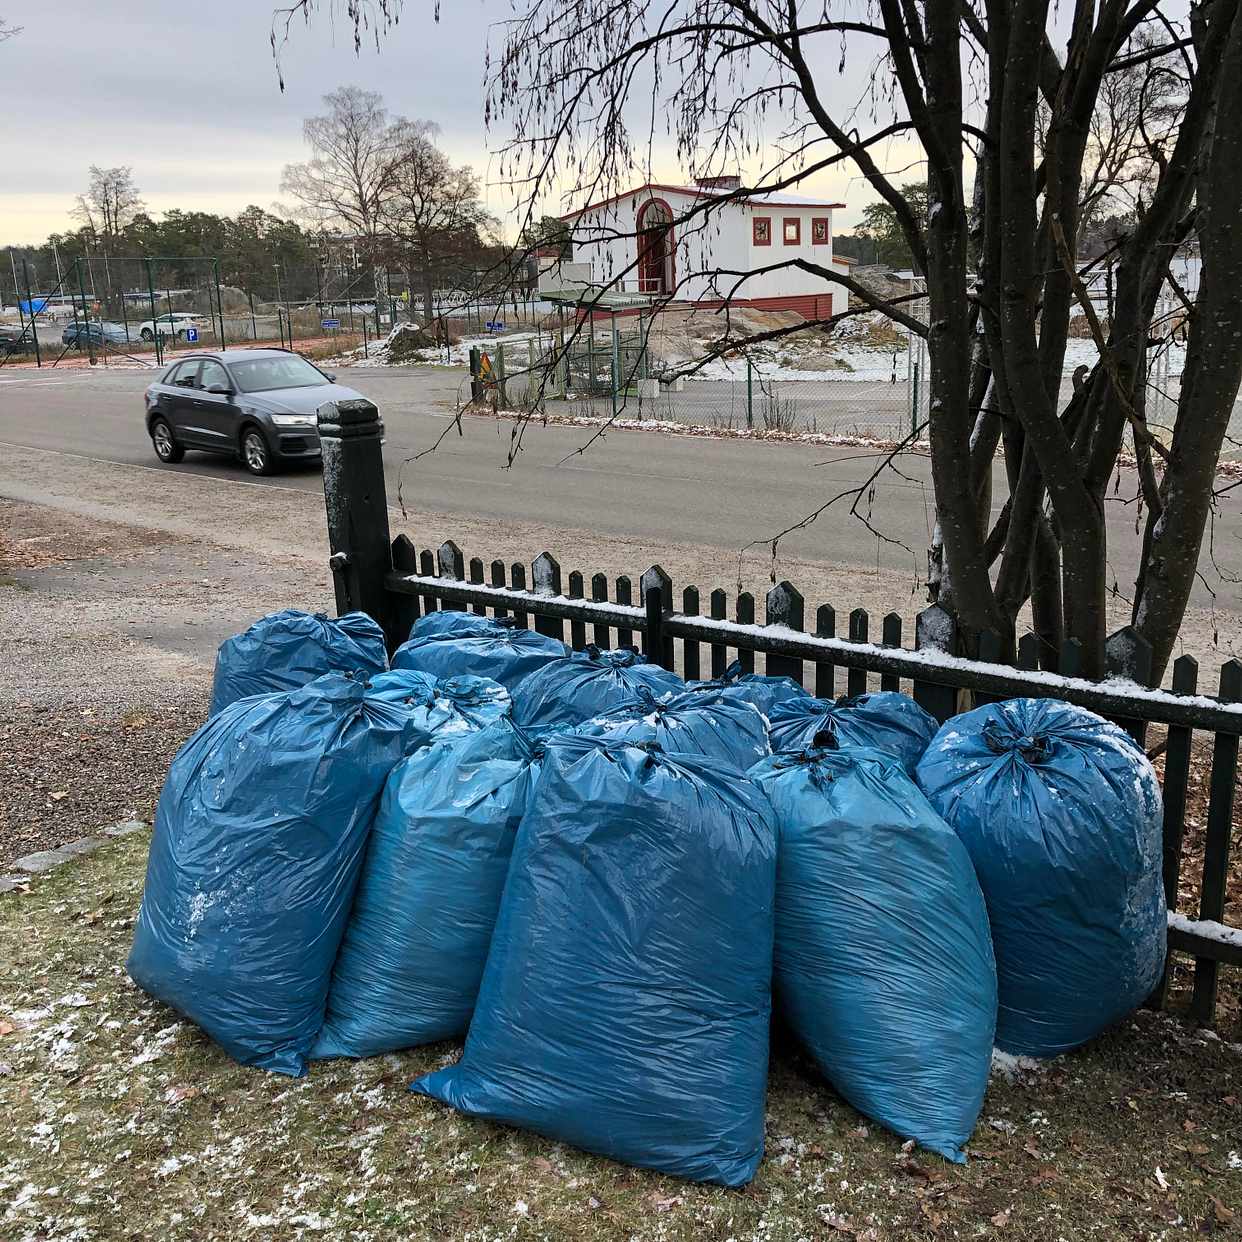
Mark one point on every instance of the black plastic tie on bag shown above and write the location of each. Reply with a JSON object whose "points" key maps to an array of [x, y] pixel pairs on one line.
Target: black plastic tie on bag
{"points": [[1033, 748], [504, 623], [826, 739]]}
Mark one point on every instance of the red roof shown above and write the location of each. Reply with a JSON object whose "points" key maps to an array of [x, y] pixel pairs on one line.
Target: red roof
{"points": [[693, 192]]}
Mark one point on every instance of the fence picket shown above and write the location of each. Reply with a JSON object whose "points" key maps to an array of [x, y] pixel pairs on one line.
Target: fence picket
{"points": [[625, 635], [545, 575], [825, 671], [498, 580], [476, 575], [1216, 842], [719, 604], [745, 614], [890, 636], [450, 564], [427, 567], [990, 647], [690, 646], [1128, 654], [405, 608], [577, 629], [655, 579], [1176, 777], [856, 678], [517, 580], [1028, 651], [600, 632], [784, 606]]}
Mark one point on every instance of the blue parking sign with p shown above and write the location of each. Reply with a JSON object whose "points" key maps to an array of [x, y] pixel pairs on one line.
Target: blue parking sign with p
{"points": [[191, 336]]}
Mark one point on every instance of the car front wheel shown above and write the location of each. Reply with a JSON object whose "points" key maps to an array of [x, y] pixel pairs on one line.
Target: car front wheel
{"points": [[256, 453], [166, 448]]}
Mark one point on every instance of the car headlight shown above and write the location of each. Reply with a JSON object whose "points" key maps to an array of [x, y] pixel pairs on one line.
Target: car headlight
{"points": [[294, 420]]}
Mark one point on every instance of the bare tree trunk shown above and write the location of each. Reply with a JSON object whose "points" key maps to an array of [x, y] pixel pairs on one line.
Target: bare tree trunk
{"points": [[1210, 378]]}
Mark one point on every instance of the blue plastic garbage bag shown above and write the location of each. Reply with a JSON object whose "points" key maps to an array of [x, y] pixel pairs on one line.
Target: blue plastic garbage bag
{"points": [[481, 648], [1061, 813], [884, 964], [287, 649], [585, 684], [886, 721], [441, 708], [730, 731], [625, 1003], [259, 837], [757, 689], [453, 621], [409, 967]]}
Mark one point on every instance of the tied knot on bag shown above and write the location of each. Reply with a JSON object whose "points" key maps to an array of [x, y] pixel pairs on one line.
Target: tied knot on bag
{"points": [[1033, 747]]}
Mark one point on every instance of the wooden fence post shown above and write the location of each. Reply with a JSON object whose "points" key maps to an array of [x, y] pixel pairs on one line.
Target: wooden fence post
{"points": [[351, 434]]}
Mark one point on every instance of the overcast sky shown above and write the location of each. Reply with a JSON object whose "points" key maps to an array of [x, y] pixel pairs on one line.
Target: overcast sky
{"points": [[185, 91]]}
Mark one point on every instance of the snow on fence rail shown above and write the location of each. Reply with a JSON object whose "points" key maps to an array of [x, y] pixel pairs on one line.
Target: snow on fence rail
{"points": [[396, 583]]}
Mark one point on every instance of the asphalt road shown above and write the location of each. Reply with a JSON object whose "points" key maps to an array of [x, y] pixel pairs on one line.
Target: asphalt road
{"points": [[647, 486]]}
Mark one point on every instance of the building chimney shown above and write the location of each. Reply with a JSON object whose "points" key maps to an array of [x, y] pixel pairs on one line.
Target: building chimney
{"points": [[719, 183]]}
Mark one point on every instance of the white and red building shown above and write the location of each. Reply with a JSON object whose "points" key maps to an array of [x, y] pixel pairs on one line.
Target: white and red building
{"points": [[650, 240]]}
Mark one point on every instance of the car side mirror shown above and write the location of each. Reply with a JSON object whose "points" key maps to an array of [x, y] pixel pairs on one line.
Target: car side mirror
{"points": [[331, 376], [220, 390]]}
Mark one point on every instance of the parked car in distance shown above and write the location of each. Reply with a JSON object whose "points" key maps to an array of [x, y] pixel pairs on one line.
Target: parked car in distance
{"points": [[79, 333], [15, 340], [175, 324], [259, 405]]}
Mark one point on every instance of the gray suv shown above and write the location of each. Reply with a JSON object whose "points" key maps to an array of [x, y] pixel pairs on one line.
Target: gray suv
{"points": [[259, 405]]}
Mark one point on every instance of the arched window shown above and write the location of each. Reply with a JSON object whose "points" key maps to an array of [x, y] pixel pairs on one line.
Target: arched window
{"points": [[656, 248]]}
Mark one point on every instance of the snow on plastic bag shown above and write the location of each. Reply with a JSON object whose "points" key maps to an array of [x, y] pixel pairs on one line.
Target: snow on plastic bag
{"points": [[1060, 811], [288, 649], [626, 999], [884, 964], [886, 721], [586, 684], [440, 708], [730, 731], [453, 644], [409, 967], [258, 842], [757, 689]]}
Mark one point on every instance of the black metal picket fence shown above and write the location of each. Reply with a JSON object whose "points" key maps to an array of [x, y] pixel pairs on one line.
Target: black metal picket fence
{"points": [[396, 583]]}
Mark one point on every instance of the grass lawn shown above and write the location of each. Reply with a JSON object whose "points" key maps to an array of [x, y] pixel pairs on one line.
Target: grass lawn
{"points": [[120, 1121]]}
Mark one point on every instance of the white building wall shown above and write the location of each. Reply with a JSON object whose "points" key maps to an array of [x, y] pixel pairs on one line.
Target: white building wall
{"points": [[719, 241]]}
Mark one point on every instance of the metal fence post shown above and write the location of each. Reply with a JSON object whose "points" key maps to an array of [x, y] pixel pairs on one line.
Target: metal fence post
{"points": [[750, 393], [351, 434], [501, 395], [215, 269], [155, 335], [30, 310], [90, 344]]}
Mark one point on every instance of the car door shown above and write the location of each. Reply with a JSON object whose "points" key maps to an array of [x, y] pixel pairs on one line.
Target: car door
{"points": [[216, 412], [181, 389]]}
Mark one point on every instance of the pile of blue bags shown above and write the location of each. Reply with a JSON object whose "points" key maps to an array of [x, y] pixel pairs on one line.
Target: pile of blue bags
{"points": [[608, 881]]}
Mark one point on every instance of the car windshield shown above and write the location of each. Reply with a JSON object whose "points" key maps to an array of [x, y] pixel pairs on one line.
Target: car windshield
{"points": [[264, 374]]}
